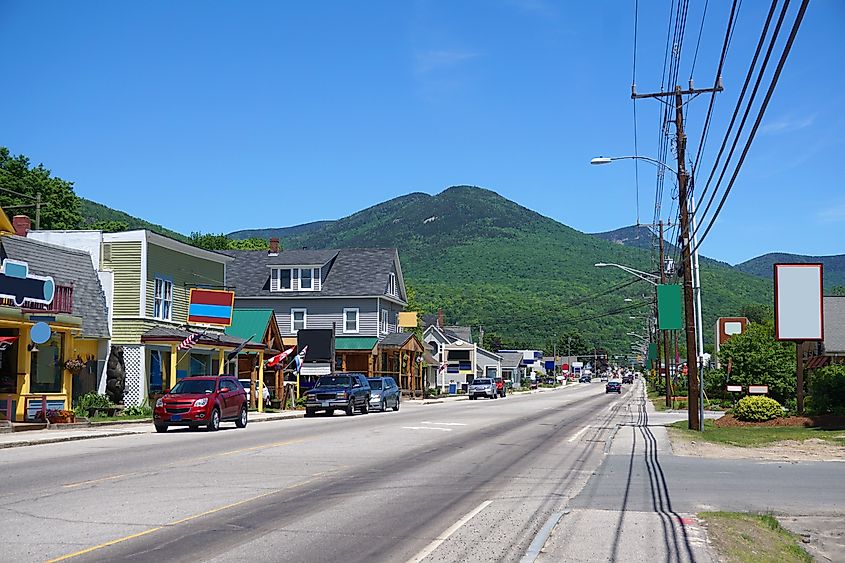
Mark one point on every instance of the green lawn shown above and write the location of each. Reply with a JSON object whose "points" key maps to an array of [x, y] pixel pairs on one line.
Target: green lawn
{"points": [[747, 538], [747, 436]]}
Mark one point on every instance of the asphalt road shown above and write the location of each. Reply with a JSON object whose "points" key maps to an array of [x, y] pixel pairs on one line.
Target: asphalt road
{"points": [[461, 481]]}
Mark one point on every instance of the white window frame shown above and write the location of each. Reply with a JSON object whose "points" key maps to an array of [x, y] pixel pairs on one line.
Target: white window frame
{"points": [[357, 312], [384, 321], [304, 312], [310, 277], [391, 284], [162, 298], [281, 279]]}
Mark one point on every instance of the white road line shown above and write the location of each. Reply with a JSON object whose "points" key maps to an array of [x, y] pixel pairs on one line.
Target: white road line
{"points": [[578, 434], [444, 423], [613, 406], [429, 549], [427, 428]]}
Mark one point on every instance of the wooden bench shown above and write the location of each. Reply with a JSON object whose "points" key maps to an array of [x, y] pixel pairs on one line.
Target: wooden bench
{"points": [[108, 411]]}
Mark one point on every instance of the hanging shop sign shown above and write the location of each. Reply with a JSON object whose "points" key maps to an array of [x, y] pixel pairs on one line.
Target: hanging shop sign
{"points": [[211, 306], [17, 284]]}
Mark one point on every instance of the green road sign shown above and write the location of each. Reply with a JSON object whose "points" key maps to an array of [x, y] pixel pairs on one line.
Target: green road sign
{"points": [[670, 307]]}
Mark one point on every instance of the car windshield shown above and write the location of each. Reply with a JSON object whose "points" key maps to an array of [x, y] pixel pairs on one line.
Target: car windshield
{"points": [[375, 383], [482, 382], [193, 386], [331, 380]]}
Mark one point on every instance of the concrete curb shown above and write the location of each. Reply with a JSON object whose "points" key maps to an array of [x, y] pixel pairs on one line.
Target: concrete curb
{"points": [[6, 445]]}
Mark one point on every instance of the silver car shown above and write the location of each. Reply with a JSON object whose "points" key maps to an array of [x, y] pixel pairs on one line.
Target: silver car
{"points": [[482, 387]]}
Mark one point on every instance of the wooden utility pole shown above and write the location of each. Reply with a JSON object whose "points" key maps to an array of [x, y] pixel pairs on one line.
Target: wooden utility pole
{"points": [[689, 311], [799, 376]]}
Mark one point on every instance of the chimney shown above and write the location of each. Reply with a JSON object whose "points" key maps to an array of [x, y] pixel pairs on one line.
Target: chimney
{"points": [[22, 225], [274, 247], [439, 318]]}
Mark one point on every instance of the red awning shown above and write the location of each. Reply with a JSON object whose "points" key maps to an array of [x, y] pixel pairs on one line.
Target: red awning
{"points": [[7, 341]]}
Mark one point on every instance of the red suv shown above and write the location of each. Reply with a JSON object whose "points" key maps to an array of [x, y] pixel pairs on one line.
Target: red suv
{"points": [[202, 401]]}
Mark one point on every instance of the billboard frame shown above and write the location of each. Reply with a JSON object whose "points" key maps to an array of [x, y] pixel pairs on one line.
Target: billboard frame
{"points": [[778, 323]]}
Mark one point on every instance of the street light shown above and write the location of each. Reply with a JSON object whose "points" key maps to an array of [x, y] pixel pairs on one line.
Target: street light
{"points": [[645, 276], [695, 281]]}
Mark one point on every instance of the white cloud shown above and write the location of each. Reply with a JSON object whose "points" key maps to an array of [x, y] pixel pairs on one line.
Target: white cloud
{"points": [[788, 124]]}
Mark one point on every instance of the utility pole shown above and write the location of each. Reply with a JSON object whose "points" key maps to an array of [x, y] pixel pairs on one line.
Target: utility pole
{"points": [[689, 308], [668, 379]]}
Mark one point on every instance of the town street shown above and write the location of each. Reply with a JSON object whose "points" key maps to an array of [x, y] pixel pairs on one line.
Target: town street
{"points": [[469, 480]]}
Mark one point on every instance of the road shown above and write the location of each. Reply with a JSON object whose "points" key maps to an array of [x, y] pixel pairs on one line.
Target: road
{"points": [[460, 481]]}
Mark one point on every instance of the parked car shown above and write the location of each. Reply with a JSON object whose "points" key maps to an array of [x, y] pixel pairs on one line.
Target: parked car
{"points": [[245, 383], [202, 401], [384, 393], [585, 379], [603, 377], [628, 378], [482, 387], [613, 386], [342, 391]]}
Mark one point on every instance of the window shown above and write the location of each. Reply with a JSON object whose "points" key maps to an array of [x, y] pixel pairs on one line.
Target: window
{"points": [[286, 280], [391, 284], [384, 320], [295, 279], [305, 279], [350, 320], [298, 319], [163, 301]]}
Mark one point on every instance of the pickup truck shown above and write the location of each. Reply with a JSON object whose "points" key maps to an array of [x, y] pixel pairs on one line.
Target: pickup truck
{"points": [[342, 391]]}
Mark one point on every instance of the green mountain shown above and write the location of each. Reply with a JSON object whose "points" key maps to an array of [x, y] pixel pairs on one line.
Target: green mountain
{"points": [[93, 212], [763, 266], [525, 278]]}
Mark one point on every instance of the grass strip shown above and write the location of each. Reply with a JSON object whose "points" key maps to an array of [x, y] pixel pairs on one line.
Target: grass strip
{"points": [[753, 436], [752, 538]]}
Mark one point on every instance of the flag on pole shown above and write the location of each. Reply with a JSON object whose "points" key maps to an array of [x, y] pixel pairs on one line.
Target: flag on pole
{"points": [[275, 360], [190, 341], [299, 357]]}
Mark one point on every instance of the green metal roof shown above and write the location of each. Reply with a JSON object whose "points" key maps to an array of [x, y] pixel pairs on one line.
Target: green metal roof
{"points": [[250, 322], [355, 342]]}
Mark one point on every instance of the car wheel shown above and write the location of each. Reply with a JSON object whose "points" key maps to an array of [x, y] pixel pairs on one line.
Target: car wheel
{"points": [[383, 406], [350, 408], [365, 408], [161, 427], [329, 412], [241, 422], [396, 407], [214, 421], [310, 412]]}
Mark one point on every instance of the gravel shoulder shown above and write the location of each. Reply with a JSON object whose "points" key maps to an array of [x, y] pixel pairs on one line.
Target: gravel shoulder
{"points": [[812, 449]]}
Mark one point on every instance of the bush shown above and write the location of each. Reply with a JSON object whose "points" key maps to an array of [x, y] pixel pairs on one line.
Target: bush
{"points": [[300, 402], [827, 390], [90, 400], [757, 409], [139, 411]]}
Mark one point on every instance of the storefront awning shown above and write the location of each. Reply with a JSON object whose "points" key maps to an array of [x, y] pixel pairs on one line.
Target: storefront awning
{"points": [[168, 335], [351, 343]]}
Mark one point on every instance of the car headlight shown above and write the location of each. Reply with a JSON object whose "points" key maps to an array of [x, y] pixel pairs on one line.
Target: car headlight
{"points": [[341, 395], [201, 402], [375, 396], [159, 402]]}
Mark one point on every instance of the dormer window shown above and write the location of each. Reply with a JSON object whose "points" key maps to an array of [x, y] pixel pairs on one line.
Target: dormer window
{"points": [[295, 279]]}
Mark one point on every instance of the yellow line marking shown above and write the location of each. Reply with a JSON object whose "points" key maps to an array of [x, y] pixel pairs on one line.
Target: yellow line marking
{"points": [[183, 520], [113, 477]]}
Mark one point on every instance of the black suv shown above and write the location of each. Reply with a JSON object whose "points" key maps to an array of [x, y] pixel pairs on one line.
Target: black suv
{"points": [[341, 391]]}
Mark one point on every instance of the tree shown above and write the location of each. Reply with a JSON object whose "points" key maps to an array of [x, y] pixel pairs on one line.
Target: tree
{"points": [[222, 242], [756, 312], [108, 226], [252, 243], [758, 359], [61, 209]]}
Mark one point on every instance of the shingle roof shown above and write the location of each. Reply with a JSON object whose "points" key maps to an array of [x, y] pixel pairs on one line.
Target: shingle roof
{"points": [[510, 359], [347, 272], [459, 332], [67, 267], [397, 339], [166, 333], [834, 325]]}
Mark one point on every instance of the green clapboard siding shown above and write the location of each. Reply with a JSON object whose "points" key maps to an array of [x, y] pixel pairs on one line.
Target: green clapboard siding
{"points": [[185, 271], [125, 262]]}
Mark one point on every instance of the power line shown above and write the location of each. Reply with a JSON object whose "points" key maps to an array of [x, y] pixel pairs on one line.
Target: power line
{"points": [[634, 102], [793, 33], [698, 42]]}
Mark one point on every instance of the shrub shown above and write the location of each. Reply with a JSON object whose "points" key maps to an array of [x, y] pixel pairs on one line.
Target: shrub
{"points": [[139, 411], [300, 402], [90, 400], [827, 390], [757, 409]]}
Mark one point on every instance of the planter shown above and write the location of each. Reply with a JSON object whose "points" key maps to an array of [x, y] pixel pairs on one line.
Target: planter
{"points": [[61, 417]]}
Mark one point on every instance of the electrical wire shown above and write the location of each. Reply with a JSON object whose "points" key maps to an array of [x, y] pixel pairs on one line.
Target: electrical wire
{"points": [[634, 104], [784, 55], [698, 42]]}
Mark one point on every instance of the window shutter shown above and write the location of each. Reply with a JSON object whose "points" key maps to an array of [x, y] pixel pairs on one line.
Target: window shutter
{"points": [[317, 281], [274, 279]]}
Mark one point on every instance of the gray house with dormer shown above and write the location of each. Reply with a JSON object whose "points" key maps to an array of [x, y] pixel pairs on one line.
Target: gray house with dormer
{"points": [[357, 291]]}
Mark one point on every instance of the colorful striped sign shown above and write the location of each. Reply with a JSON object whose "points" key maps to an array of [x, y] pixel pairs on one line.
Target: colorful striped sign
{"points": [[211, 306]]}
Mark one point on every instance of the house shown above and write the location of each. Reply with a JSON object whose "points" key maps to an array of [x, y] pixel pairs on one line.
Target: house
{"points": [[512, 367], [40, 334], [259, 326], [460, 360], [148, 280], [832, 349], [358, 292]]}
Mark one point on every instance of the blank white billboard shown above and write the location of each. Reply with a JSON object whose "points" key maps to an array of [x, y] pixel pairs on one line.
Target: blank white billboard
{"points": [[799, 308]]}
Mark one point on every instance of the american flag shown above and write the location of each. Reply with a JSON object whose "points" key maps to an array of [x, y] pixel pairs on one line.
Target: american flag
{"points": [[189, 342]]}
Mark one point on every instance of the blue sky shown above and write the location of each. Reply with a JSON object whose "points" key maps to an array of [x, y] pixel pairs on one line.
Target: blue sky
{"points": [[216, 116]]}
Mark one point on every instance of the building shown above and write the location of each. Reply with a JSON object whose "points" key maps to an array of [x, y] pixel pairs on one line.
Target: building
{"points": [[460, 360], [39, 335], [148, 280]]}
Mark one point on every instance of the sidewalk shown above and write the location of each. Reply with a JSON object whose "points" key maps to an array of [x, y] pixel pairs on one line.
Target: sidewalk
{"points": [[109, 429]]}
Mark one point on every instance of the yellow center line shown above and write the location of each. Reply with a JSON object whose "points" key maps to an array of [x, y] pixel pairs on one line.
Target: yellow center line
{"points": [[100, 480], [184, 520]]}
